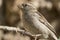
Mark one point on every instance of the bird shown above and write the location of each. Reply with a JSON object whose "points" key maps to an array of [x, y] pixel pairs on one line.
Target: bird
{"points": [[35, 22]]}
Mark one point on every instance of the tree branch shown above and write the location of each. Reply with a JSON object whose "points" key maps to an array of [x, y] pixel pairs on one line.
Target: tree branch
{"points": [[19, 30]]}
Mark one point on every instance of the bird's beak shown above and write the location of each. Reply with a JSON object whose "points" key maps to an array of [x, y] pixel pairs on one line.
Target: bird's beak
{"points": [[20, 6]]}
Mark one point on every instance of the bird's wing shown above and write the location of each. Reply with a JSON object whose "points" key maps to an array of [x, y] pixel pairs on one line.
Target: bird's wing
{"points": [[42, 19]]}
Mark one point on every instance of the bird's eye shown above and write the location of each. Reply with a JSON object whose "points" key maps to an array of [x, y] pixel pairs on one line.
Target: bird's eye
{"points": [[24, 5]]}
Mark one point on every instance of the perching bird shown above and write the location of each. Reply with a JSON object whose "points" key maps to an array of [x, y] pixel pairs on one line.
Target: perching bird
{"points": [[35, 22]]}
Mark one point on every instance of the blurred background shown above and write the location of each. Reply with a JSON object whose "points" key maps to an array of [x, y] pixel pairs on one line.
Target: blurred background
{"points": [[10, 14]]}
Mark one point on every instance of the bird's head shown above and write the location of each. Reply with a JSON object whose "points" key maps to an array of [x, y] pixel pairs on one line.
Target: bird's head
{"points": [[26, 7]]}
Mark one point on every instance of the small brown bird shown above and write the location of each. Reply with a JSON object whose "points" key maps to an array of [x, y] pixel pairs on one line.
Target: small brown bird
{"points": [[35, 22]]}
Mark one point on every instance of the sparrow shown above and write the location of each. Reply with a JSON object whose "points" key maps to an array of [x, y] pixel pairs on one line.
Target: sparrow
{"points": [[35, 22]]}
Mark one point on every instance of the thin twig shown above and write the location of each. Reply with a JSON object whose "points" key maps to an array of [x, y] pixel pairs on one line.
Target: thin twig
{"points": [[18, 30]]}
